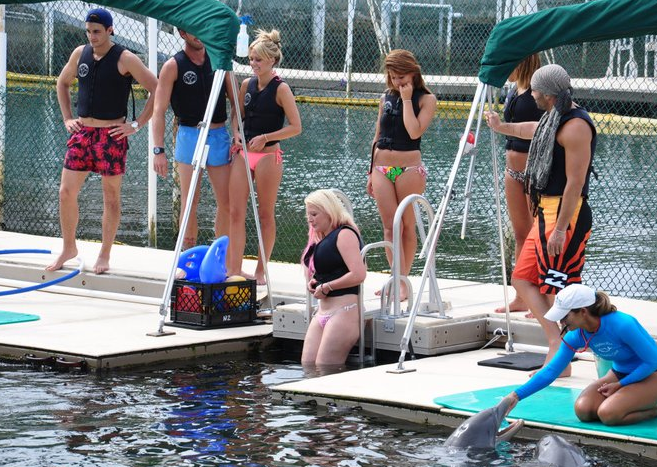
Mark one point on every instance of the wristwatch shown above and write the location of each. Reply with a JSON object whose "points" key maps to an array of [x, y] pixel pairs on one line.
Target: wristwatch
{"points": [[135, 125], [158, 150]]}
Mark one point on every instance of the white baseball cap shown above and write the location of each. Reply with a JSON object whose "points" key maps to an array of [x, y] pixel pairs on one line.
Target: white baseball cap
{"points": [[573, 297]]}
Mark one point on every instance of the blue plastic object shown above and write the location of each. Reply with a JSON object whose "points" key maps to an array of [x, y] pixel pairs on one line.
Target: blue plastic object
{"points": [[213, 266], [190, 261], [43, 284]]}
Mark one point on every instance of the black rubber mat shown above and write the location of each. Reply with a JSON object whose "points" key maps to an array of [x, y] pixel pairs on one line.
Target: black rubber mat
{"points": [[523, 361]]}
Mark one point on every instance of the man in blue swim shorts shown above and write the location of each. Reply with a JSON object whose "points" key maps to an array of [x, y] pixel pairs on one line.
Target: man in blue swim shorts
{"points": [[185, 83]]}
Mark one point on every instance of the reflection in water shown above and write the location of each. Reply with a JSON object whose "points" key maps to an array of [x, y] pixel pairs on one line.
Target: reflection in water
{"points": [[221, 414]]}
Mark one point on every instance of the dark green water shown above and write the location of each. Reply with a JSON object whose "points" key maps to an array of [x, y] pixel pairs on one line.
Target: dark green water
{"points": [[218, 414], [333, 152]]}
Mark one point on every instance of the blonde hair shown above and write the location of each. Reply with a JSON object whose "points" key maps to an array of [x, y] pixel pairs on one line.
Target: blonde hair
{"points": [[328, 202], [522, 74], [403, 62], [267, 44]]}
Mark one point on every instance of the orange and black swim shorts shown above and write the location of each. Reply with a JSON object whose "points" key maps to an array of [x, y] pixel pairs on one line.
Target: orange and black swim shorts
{"points": [[553, 273]]}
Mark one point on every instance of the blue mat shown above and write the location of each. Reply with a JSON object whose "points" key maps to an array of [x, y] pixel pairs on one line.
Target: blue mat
{"points": [[553, 405], [9, 317]]}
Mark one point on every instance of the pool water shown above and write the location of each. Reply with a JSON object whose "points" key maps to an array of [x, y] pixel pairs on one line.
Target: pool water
{"points": [[217, 414]]}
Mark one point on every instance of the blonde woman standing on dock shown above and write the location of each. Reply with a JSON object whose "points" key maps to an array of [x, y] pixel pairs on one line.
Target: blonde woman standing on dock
{"points": [[265, 101]]}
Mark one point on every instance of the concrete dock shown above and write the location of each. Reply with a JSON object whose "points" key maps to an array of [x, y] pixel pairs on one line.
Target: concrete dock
{"points": [[105, 320]]}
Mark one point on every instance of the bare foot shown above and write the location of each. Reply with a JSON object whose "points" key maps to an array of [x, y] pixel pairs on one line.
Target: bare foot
{"points": [[529, 315], [63, 257], [516, 305], [403, 293], [260, 279], [102, 265]]}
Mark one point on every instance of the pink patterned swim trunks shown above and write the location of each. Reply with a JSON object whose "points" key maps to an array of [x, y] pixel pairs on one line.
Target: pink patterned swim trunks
{"points": [[93, 149]]}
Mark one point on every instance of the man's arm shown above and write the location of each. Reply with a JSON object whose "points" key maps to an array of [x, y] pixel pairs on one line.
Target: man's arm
{"points": [[168, 76], [575, 137], [130, 64], [64, 81], [522, 130]]}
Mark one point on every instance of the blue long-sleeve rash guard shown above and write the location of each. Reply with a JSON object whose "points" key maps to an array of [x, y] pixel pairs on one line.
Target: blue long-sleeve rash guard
{"points": [[620, 339]]}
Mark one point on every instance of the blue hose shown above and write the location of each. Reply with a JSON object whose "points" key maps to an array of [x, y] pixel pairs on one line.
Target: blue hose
{"points": [[43, 284]]}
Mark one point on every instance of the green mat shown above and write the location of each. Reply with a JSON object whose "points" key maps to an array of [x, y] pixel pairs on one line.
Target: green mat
{"points": [[9, 317], [553, 405]]}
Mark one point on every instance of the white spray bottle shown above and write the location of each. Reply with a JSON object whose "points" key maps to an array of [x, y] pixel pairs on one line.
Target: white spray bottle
{"points": [[243, 39]]}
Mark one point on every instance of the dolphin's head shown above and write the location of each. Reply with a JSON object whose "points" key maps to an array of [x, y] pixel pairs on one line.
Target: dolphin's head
{"points": [[481, 429], [555, 450]]}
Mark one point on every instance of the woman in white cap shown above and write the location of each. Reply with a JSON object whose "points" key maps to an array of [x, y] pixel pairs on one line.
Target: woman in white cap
{"points": [[628, 392]]}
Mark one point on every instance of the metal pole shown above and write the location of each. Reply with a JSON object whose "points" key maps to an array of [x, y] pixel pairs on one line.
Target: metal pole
{"points": [[49, 38], [254, 204], [319, 25], [439, 220], [498, 205], [351, 11], [470, 180], [3, 106], [198, 163], [152, 176]]}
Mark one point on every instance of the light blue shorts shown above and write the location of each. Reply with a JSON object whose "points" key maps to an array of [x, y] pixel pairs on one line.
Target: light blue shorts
{"points": [[218, 140]]}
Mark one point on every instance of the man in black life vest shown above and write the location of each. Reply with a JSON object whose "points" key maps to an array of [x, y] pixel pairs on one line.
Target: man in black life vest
{"points": [[99, 135], [185, 82]]}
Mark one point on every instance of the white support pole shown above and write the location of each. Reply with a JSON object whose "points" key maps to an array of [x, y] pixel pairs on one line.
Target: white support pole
{"points": [[3, 103], [152, 176], [348, 60], [319, 26], [49, 38]]}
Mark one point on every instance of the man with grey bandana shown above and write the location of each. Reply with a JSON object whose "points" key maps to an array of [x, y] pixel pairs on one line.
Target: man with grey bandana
{"points": [[557, 182]]}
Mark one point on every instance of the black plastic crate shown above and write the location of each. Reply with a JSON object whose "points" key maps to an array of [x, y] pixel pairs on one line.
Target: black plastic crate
{"points": [[213, 305]]}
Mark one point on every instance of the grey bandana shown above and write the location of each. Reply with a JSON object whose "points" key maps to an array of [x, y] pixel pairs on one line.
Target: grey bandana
{"points": [[551, 80]]}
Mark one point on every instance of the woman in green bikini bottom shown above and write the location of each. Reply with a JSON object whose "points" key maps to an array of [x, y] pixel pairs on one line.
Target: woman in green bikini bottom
{"points": [[405, 112]]}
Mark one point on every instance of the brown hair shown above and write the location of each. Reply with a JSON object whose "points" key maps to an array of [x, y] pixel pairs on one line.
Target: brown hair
{"points": [[602, 305], [403, 62], [267, 44], [522, 74]]}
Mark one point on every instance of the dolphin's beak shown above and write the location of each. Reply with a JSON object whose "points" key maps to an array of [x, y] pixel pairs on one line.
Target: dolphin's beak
{"points": [[510, 431]]}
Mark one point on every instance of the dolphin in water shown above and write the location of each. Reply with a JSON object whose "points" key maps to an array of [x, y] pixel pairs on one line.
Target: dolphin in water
{"points": [[482, 430], [555, 450]]}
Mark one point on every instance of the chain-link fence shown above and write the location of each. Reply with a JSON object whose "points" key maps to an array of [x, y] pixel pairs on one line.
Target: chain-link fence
{"points": [[332, 59]]}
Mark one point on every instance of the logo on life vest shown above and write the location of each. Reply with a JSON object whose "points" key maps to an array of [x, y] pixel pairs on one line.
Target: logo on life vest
{"points": [[83, 70], [247, 99], [556, 278], [190, 77], [387, 106]]}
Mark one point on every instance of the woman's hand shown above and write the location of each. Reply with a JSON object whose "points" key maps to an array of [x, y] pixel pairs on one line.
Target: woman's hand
{"points": [[257, 143], [406, 91], [368, 188], [607, 389]]}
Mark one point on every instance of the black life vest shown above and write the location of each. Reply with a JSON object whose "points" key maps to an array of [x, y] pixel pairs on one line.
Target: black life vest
{"points": [[261, 112], [191, 92], [102, 91], [392, 132]]}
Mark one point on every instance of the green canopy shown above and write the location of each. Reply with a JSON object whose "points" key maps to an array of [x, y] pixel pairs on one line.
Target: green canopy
{"points": [[516, 38], [214, 23]]}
